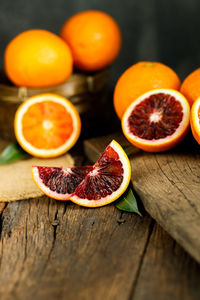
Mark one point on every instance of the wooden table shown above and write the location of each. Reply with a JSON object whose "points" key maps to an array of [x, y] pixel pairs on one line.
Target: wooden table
{"points": [[54, 250]]}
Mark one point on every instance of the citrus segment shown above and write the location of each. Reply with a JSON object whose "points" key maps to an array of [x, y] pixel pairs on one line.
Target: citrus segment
{"points": [[58, 183], [47, 125], [107, 181], [139, 79], [195, 120], [157, 120], [90, 186]]}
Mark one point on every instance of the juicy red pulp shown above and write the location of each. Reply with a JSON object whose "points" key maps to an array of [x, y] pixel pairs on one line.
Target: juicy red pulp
{"points": [[86, 182], [57, 180], [105, 178], [168, 112]]}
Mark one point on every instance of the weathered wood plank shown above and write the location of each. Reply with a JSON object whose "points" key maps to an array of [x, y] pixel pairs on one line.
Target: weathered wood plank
{"points": [[168, 184], [16, 182], [52, 250], [167, 272]]}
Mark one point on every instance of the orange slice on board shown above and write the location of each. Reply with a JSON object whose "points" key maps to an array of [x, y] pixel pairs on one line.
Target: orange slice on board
{"points": [[90, 186], [157, 121], [47, 125], [195, 120]]}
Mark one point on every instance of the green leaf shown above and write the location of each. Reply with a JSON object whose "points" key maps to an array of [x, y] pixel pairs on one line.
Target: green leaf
{"points": [[128, 202], [11, 153]]}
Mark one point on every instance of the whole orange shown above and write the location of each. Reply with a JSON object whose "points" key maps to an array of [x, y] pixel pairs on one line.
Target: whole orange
{"points": [[140, 78], [37, 58], [190, 87], [94, 38]]}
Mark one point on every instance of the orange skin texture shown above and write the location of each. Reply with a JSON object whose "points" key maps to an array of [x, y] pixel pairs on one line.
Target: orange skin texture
{"points": [[37, 58], [140, 78], [195, 119], [190, 87], [94, 38]]}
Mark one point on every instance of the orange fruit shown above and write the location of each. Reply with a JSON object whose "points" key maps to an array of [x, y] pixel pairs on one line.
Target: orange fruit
{"points": [[90, 186], [190, 87], [140, 78], [47, 125], [94, 38], [37, 58], [157, 121], [195, 120]]}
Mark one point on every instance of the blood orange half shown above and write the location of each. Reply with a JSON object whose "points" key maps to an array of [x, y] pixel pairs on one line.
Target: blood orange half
{"points": [[90, 186], [157, 120], [195, 120], [47, 125]]}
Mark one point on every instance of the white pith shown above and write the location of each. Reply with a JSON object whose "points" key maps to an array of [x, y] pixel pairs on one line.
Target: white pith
{"points": [[182, 126], [195, 109], [155, 117], [126, 179], [47, 152], [45, 189], [47, 124]]}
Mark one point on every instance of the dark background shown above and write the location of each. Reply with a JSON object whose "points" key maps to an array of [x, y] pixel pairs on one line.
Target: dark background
{"points": [[158, 30]]}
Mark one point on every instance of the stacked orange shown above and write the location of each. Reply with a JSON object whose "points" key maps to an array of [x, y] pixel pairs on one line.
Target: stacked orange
{"points": [[38, 58], [48, 125], [155, 115], [191, 89]]}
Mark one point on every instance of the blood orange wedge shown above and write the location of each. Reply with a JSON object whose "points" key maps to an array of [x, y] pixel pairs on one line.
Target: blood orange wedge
{"points": [[47, 125], [157, 120], [90, 186], [58, 183], [195, 120]]}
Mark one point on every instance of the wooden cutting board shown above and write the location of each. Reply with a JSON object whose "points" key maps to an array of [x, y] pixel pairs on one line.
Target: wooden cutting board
{"points": [[16, 182], [168, 185]]}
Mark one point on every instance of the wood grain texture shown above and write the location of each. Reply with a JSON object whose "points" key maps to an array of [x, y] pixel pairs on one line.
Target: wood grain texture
{"points": [[167, 272], [169, 187], [52, 250], [16, 182], [59, 251]]}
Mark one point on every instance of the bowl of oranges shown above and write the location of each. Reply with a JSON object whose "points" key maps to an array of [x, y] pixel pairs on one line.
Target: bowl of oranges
{"points": [[74, 64]]}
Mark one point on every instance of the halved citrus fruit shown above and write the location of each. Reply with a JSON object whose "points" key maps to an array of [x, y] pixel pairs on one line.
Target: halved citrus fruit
{"points": [[195, 120], [157, 121], [90, 186], [140, 78], [47, 125]]}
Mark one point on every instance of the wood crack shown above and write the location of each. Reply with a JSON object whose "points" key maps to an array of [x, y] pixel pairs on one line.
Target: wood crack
{"points": [[1, 221], [121, 220], [180, 190], [54, 224], [65, 208], [134, 285], [2, 208]]}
